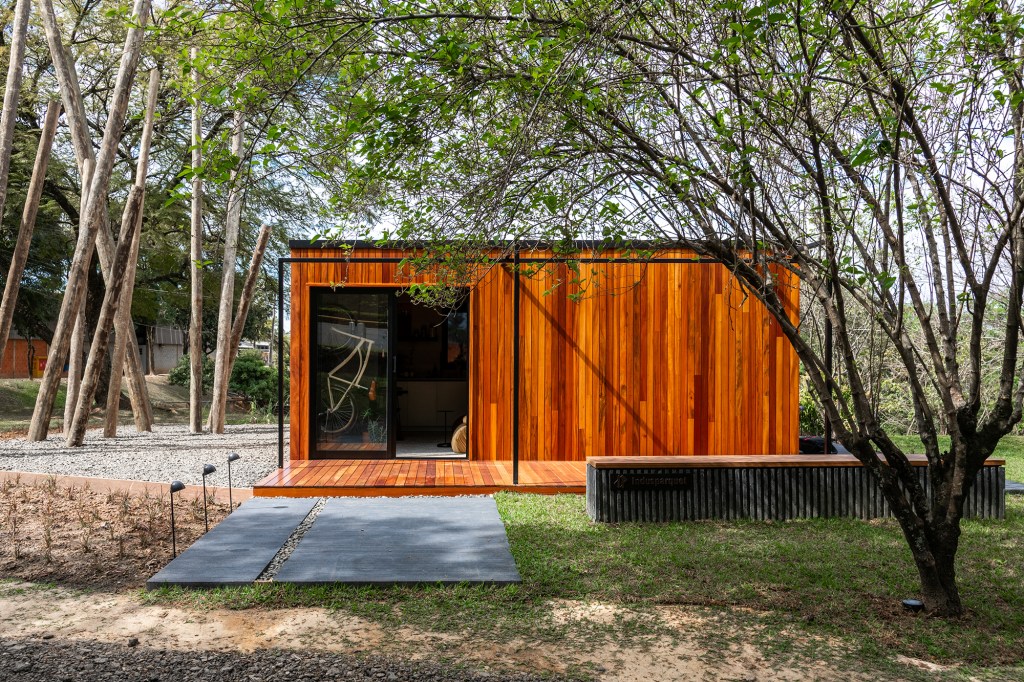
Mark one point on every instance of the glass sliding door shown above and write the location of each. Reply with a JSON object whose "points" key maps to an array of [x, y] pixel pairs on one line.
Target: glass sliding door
{"points": [[351, 384]]}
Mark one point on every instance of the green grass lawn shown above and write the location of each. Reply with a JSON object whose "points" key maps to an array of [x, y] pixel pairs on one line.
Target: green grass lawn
{"points": [[784, 584], [18, 399], [1011, 448], [840, 577]]}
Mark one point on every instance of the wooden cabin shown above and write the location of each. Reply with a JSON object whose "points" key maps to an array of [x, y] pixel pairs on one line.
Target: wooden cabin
{"points": [[665, 357]]}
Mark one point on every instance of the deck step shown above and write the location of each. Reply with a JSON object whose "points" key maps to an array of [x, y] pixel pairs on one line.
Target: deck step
{"points": [[401, 478]]}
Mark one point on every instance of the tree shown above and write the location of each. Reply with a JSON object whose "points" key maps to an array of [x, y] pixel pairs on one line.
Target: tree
{"points": [[222, 360], [252, 276], [876, 150], [27, 226], [123, 305], [12, 90], [195, 329], [94, 215], [91, 39]]}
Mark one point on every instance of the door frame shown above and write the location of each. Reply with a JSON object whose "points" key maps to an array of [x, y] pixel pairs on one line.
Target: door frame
{"points": [[315, 293]]}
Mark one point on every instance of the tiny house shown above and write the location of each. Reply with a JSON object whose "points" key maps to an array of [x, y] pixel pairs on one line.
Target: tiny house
{"points": [[665, 356]]}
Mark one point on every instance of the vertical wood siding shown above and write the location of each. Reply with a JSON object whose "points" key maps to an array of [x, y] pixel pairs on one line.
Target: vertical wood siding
{"points": [[637, 359], [16, 358]]}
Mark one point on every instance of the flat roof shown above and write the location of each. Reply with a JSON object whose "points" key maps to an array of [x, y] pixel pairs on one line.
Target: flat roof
{"points": [[524, 245]]}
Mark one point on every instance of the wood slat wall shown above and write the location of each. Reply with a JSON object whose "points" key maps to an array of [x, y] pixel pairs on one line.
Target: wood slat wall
{"points": [[637, 359], [307, 276]]}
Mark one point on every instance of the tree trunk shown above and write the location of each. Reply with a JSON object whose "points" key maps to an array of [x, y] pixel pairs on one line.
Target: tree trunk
{"points": [[76, 359], [105, 323], [934, 540], [247, 289], [124, 306], [195, 330], [150, 356], [273, 332], [96, 207], [30, 357], [939, 589], [16, 58], [74, 108], [76, 353], [218, 405], [28, 223], [102, 381], [934, 551], [138, 390]]}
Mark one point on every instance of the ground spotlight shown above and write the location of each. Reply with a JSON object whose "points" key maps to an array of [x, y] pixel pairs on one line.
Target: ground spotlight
{"points": [[176, 486], [231, 458], [207, 470], [915, 605]]}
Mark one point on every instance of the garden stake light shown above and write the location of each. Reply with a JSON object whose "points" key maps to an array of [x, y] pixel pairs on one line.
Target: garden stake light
{"points": [[207, 470], [231, 458], [176, 486], [913, 605]]}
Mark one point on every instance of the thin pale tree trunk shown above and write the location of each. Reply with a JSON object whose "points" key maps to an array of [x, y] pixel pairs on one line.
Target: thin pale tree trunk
{"points": [[150, 355], [16, 58], [74, 107], [76, 355], [124, 307], [105, 323], [218, 405], [247, 290], [76, 358], [195, 329], [97, 197], [28, 223], [273, 330]]}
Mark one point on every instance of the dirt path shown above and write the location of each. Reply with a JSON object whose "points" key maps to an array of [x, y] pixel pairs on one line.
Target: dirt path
{"points": [[30, 612]]}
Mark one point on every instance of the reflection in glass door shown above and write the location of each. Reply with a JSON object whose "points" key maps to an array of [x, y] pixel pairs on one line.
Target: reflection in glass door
{"points": [[351, 397]]}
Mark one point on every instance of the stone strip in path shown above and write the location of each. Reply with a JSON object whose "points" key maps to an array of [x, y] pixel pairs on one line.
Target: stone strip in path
{"points": [[238, 549], [292, 542]]}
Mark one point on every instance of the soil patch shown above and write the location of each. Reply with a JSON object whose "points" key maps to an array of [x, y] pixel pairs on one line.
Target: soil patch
{"points": [[84, 538], [109, 621]]}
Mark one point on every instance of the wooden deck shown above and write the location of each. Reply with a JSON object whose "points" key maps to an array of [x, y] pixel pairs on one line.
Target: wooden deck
{"points": [[396, 478]]}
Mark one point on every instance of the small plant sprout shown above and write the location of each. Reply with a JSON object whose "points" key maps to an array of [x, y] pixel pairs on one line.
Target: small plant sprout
{"points": [[12, 525]]}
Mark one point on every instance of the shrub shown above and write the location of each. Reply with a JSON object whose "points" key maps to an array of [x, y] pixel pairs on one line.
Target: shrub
{"points": [[181, 375], [811, 421], [253, 379]]}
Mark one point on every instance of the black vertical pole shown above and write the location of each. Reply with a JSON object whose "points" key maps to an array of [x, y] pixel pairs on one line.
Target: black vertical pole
{"points": [[515, 367], [174, 534], [280, 363], [391, 395], [828, 370], [206, 514]]}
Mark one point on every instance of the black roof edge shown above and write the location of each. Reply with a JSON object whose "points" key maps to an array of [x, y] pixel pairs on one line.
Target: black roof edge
{"points": [[524, 245]]}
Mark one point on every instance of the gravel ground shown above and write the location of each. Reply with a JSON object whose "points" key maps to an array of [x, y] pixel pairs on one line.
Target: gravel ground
{"points": [[54, 660], [169, 453]]}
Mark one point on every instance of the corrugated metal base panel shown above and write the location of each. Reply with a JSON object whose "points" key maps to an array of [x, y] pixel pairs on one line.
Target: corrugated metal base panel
{"points": [[654, 495]]}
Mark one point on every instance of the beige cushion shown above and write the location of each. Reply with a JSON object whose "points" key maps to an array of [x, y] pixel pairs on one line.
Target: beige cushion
{"points": [[460, 439]]}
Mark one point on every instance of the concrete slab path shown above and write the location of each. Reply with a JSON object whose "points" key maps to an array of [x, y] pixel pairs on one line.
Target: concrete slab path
{"points": [[407, 540], [237, 549]]}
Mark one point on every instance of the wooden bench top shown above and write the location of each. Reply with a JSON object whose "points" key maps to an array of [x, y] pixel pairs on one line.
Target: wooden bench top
{"points": [[737, 461]]}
